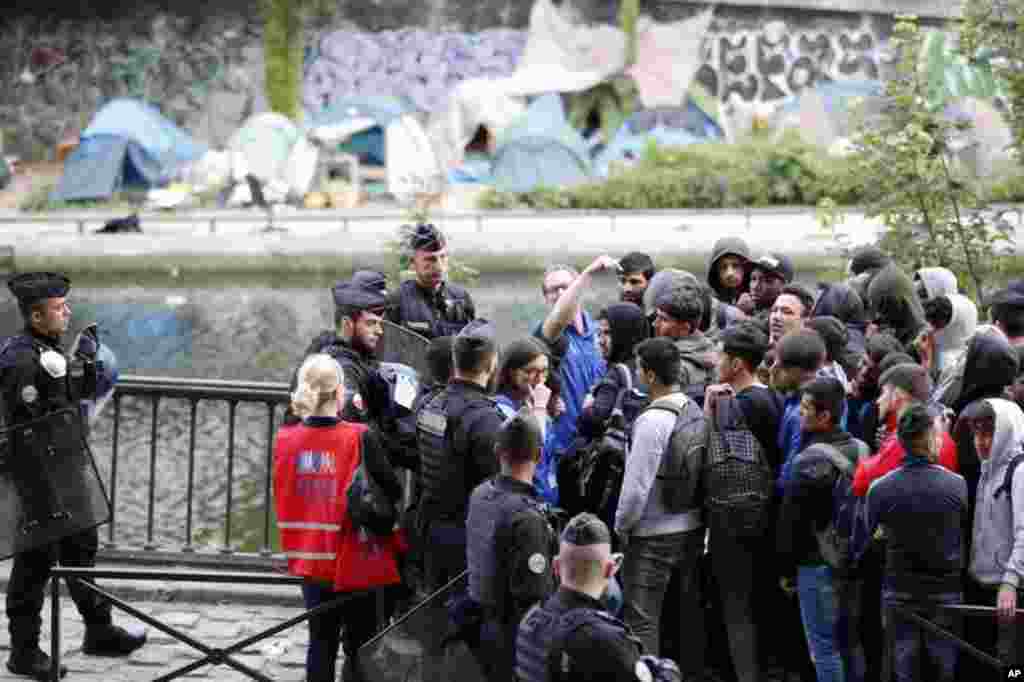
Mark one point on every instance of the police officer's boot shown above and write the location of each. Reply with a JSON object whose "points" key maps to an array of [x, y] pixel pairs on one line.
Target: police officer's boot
{"points": [[31, 662], [110, 640]]}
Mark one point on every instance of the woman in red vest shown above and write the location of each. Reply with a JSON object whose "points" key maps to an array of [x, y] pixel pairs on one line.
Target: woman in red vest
{"points": [[314, 462]]}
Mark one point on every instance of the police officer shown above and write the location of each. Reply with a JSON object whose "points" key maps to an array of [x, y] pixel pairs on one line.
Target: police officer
{"points": [[509, 547], [570, 637], [429, 304], [456, 432], [359, 305], [37, 378]]}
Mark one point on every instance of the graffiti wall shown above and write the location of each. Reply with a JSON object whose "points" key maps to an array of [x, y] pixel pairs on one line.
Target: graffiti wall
{"points": [[780, 59]]}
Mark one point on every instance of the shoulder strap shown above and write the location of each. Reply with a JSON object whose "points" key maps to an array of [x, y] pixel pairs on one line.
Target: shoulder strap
{"points": [[839, 460], [1007, 484], [624, 388]]}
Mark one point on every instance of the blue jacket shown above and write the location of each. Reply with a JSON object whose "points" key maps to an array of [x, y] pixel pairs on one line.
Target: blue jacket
{"points": [[790, 440], [580, 367]]}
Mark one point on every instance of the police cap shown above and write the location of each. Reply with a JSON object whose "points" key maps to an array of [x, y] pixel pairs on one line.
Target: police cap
{"points": [[367, 290], [32, 287], [426, 237], [586, 529]]}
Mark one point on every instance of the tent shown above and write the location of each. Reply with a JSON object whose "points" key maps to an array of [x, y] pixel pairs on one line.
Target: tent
{"points": [[5, 173], [128, 144], [540, 150], [367, 117], [830, 110]]}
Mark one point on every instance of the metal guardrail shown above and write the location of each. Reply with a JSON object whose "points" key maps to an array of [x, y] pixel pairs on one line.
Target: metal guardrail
{"points": [[195, 391], [961, 644]]}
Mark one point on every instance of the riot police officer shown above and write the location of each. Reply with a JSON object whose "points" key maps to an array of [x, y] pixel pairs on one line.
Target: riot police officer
{"points": [[510, 546], [39, 380], [359, 305], [571, 637], [455, 429], [428, 304]]}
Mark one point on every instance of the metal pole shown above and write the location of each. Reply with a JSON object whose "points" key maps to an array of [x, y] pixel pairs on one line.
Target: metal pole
{"points": [[232, 404], [150, 545], [55, 628], [265, 551], [191, 475], [113, 471]]}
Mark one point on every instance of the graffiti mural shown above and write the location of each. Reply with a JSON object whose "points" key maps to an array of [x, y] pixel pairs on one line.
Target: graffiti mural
{"points": [[775, 61]]}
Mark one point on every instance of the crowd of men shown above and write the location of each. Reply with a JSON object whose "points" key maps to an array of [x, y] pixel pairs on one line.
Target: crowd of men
{"points": [[775, 474], [764, 478]]}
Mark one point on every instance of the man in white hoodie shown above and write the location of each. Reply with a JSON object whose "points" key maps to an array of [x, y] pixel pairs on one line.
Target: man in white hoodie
{"points": [[997, 551]]}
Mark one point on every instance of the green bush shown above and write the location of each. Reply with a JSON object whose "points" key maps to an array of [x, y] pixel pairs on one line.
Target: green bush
{"points": [[759, 172]]}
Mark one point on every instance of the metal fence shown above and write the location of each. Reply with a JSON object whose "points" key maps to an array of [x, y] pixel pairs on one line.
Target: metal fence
{"points": [[195, 391]]}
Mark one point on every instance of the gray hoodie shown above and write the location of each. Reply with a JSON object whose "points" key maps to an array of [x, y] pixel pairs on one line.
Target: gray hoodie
{"points": [[937, 281], [997, 552], [951, 342]]}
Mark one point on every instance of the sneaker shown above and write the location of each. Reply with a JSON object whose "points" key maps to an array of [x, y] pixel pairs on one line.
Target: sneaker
{"points": [[110, 640], [32, 663]]}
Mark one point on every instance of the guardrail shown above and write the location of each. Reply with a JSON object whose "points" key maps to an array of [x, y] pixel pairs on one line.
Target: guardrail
{"points": [[194, 391]]}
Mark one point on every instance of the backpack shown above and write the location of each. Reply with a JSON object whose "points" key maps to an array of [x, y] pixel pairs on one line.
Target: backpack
{"points": [[738, 480], [695, 390], [844, 539], [603, 462], [1007, 485], [680, 466]]}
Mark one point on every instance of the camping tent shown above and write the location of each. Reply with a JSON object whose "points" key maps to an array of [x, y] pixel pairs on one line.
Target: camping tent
{"points": [[272, 149], [369, 116], [127, 144], [540, 150]]}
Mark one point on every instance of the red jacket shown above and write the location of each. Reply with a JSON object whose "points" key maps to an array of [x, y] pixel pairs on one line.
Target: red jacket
{"points": [[313, 466], [890, 456]]}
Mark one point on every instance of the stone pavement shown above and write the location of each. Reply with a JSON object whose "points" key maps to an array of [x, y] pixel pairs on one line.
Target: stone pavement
{"points": [[216, 615]]}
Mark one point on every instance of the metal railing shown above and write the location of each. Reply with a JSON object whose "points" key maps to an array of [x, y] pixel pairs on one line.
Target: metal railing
{"points": [[961, 644], [195, 391]]}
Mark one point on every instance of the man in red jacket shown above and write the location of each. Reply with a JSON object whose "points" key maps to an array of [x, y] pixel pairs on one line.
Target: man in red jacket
{"points": [[901, 385]]}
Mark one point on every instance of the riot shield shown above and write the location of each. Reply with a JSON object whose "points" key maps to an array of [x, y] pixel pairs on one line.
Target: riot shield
{"points": [[404, 346], [49, 485], [414, 648]]}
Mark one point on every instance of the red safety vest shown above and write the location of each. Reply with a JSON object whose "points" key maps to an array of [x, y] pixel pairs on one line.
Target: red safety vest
{"points": [[313, 467]]}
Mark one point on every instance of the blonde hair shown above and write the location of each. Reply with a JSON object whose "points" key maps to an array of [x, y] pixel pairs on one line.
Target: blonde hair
{"points": [[318, 381]]}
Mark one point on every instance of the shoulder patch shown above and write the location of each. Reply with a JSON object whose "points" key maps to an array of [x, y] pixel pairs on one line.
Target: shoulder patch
{"points": [[357, 400], [538, 563], [432, 422], [29, 394], [643, 673]]}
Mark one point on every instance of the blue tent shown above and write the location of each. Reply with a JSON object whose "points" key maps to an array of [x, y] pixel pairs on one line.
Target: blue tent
{"points": [[541, 149], [128, 144], [369, 144], [676, 127]]}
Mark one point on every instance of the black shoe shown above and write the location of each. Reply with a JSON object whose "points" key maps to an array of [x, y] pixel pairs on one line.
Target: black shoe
{"points": [[32, 663], [110, 640]]}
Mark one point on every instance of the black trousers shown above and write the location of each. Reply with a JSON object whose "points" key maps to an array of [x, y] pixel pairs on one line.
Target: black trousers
{"points": [[27, 588]]}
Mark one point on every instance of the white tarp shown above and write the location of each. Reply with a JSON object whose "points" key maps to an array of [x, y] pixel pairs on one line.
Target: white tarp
{"points": [[412, 165]]}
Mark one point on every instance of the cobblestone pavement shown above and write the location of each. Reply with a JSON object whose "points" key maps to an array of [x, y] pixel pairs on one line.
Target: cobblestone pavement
{"points": [[281, 657]]}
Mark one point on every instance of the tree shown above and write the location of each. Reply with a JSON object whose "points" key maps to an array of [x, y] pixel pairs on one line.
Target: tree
{"points": [[993, 31], [931, 208], [283, 49]]}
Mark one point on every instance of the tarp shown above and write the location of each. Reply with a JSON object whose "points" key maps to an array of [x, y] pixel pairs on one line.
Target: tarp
{"points": [[951, 76], [829, 110], [104, 164], [412, 165], [381, 108], [667, 58], [261, 146], [5, 173], [541, 149], [143, 124]]}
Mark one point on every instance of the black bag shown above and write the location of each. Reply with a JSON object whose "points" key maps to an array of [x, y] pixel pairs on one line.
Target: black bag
{"points": [[603, 462], [738, 480], [368, 505]]}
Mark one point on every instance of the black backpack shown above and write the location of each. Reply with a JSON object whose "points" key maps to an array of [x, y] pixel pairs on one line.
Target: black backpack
{"points": [[603, 462], [738, 480], [844, 539], [680, 467]]}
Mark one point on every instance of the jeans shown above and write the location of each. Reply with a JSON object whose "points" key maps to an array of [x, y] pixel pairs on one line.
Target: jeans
{"points": [[650, 563], [851, 648], [734, 562], [350, 625], [906, 637], [819, 609]]}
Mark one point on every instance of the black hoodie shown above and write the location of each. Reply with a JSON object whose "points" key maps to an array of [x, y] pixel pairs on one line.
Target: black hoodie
{"points": [[356, 366], [728, 246], [628, 328], [894, 305], [842, 302]]}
